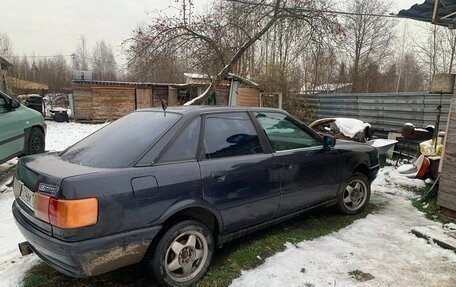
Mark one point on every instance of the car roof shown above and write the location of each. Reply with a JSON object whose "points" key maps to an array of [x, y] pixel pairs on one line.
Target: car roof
{"points": [[194, 109]]}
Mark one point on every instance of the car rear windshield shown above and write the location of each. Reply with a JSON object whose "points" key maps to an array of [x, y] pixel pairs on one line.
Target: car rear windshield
{"points": [[121, 143]]}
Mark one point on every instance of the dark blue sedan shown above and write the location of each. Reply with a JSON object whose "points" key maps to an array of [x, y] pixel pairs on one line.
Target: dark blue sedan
{"points": [[168, 187]]}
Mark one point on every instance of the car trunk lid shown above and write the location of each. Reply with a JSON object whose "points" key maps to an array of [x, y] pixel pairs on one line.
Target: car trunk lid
{"points": [[42, 175]]}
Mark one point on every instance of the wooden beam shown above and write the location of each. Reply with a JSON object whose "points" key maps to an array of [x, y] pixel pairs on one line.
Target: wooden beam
{"points": [[436, 10]]}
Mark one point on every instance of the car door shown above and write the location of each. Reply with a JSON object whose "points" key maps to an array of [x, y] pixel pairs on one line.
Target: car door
{"points": [[11, 130], [309, 174], [175, 178], [238, 178]]}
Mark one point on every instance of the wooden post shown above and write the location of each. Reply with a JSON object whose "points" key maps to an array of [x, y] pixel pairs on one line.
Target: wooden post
{"points": [[447, 193], [172, 96]]}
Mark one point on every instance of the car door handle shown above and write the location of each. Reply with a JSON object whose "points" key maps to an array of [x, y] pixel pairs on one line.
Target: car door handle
{"points": [[219, 175], [288, 166]]}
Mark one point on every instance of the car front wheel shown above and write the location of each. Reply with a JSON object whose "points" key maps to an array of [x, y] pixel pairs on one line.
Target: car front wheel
{"points": [[356, 194], [35, 142], [183, 254]]}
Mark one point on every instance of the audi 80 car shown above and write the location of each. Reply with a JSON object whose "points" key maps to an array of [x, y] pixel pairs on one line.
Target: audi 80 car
{"points": [[167, 187]]}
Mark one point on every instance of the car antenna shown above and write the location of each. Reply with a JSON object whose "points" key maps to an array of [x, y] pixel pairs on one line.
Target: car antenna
{"points": [[164, 106]]}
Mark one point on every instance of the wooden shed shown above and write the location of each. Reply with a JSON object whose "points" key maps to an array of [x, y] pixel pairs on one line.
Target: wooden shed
{"points": [[98, 101], [234, 90], [443, 14], [447, 191]]}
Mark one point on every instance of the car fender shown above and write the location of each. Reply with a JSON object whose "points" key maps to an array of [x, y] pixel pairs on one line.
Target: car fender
{"points": [[27, 131], [192, 203], [351, 161]]}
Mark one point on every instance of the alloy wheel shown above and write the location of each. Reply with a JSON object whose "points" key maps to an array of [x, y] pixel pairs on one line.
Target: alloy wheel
{"points": [[186, 256], [355, 194]]}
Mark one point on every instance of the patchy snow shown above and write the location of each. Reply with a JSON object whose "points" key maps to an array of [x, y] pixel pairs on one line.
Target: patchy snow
{"points": [[390, 181], [59, 136], [350, 127], [12, 265], [380, 244], [12, 272]]}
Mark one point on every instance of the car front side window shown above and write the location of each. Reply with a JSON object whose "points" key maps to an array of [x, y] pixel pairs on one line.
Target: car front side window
{"points": [[230, 134], [284, 133], [3, 107]]}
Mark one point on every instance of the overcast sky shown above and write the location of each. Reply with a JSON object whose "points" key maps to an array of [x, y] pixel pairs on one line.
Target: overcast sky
{"points": [[49, 27]]}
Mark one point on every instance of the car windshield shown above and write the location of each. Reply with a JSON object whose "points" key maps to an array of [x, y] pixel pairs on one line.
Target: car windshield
{"points": [[121, 143]]}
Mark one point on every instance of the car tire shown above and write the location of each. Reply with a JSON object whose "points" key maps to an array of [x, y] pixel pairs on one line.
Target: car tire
{"points": [[355, 196], [183, 254], [61, 117], [36, 141]]}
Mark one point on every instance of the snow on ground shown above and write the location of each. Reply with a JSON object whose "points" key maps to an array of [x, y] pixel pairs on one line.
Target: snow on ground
{"points": [[12, 265], [380, 245], [61, 135]]}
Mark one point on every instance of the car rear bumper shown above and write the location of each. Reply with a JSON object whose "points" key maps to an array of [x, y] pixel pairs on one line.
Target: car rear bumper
{"points": [[88, 257]]}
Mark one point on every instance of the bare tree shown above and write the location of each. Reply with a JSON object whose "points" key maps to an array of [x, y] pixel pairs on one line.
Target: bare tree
{"points": [[82, 55], [451, 40], [58, 76], [53, 71], [6, 47], [217, 41], [413, 76], [103, 63], [24, 68], [437, 51], [368, 38]]}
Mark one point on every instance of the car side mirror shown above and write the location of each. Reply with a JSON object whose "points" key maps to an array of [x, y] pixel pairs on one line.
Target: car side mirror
{"points": [[328, 142], [14, 104]]}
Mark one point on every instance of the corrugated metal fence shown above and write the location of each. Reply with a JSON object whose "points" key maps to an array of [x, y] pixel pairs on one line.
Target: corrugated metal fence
{"points": [[386, 112]]}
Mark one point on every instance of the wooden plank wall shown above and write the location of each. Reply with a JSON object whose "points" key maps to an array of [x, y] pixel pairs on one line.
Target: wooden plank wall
{"points": [[103, 103], [248, 97], [2, 80], [143, 98], [447, 188], [161, 91], [82, 103], [111, 103]]}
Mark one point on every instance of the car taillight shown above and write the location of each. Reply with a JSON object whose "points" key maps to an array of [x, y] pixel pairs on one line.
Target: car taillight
{"points": [[66, 214], [42, 207]]}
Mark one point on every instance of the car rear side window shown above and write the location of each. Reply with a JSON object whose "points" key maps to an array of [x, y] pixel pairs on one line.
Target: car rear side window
{"points": [[185, 145], [121, 143], [284, 133], [230, 134]]}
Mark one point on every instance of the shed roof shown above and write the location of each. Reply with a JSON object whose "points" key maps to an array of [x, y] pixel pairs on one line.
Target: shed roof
{"points": [[446, 13], [127, 84]]}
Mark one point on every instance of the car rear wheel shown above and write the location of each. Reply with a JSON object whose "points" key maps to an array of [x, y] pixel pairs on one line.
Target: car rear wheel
{"points": [[356, 194], [35, 141], [183, 254]]}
